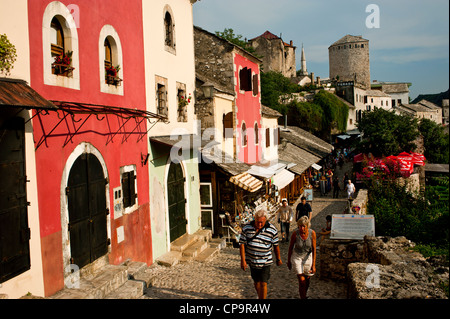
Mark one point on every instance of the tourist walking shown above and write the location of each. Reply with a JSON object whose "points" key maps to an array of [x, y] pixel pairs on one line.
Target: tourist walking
{"points": [[255, 245], [336, 187], [350, 188], [285, 216], [302, 254], [303, 209]]}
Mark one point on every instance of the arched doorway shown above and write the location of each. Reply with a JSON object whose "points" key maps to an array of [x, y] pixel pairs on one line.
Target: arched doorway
{"points": [[86, 200], [176, 201]]}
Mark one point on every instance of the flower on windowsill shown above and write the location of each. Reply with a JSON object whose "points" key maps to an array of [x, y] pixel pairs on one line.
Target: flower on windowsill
{"points": [[63, 64], [112, 71], [111, 75], [184, 101]]}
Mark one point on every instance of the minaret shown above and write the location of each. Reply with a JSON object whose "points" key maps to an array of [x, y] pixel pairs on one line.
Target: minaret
{"points": [[303, 69]]}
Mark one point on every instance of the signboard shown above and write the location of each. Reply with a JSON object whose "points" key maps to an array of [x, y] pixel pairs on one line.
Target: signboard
{"points": [[352, 226], [308, 193]]}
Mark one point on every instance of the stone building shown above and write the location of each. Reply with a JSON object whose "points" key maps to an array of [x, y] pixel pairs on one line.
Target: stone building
{"points": [[420, 110], [277, 55], [349, 60], [399, 91]]}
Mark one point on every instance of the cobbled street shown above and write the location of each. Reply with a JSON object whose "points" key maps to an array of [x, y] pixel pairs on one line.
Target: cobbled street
{"points": [[222, 277]]}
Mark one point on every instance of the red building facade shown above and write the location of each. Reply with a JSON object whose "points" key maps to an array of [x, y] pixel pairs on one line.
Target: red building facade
{"points": [[92, 173], [248, 108]]}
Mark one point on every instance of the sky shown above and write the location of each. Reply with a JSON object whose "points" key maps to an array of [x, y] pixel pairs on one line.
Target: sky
{"points": [[408, 39]]}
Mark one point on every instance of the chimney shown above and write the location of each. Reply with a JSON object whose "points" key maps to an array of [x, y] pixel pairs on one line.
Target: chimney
{"points": [[291, 43]]}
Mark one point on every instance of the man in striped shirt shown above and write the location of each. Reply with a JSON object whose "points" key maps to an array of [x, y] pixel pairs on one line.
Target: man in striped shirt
{"points": [[256, 242]]}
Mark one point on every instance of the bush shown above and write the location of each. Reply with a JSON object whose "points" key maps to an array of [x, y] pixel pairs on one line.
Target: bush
{"points": [[7, 54], [422, 219]]}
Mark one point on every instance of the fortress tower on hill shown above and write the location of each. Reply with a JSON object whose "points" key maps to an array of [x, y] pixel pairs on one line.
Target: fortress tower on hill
{"points": [[349, 60]]}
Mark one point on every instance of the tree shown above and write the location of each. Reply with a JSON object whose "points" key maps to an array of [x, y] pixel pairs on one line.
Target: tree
{"points": [[228, 34], [335, 111], [385, 133], [7, 54], [273, 85], [305, 115], [435, 140]]}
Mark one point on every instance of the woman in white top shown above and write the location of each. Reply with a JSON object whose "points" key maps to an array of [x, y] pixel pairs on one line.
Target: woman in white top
{"points": [[302, 254]]}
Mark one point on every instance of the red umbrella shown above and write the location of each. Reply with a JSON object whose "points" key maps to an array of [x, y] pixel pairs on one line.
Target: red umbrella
{"points": [[358, 158], [404, 154], [419, 156]]}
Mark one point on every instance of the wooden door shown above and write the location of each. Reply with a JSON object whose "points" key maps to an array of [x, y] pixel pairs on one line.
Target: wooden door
{"points": [[176, 201], [86, 191]]}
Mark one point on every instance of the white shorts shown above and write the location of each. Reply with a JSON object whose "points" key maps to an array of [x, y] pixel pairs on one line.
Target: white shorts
{"points": [[301, 266]]}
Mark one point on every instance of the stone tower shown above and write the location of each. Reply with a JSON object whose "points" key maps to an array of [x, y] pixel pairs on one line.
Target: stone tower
{"points": [[349, 60]]}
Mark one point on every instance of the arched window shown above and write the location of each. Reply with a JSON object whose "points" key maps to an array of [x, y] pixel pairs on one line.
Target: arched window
{"points": [[168, 28], [244, 134], [56, 38], [62, 58], [61, 64], [111, 57], [108, 54], [112, 67], [256, 133]]}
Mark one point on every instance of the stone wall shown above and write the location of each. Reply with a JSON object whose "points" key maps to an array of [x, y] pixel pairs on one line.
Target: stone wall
{"points": [[382, 268], [214, 59], [336, 255], [401, 273]]}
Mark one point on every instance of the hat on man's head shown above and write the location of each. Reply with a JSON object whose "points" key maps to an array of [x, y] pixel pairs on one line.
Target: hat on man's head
{"points": [[284, 200]]}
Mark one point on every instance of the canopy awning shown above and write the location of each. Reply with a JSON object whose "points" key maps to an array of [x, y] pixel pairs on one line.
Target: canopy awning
{"points": [[316, 167], [266, 171], [283, 179], [18, 94], [247, 182]]}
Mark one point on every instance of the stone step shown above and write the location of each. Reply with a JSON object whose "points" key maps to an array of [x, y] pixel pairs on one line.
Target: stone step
{"points": [[132, 289], [204, 234], [134, 268], [170, 258], [183, 242], [207, 254], [195, 249], [96, 286]]}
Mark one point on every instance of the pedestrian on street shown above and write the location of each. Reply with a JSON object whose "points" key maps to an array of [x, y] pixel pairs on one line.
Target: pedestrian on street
{"points": [[336, 187], [323, 185], [303, 209], [285, 216], [256, 242], [302, 254], [350, 187]]}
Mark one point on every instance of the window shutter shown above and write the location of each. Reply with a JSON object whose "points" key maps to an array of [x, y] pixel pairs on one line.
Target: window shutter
{"points": [[126, 189], [228, 125], [133, 195], [267, 137], [255, 85]]}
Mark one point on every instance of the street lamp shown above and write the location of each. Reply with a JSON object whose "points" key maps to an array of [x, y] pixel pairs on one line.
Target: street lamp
{"points": [[208, 90]]}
